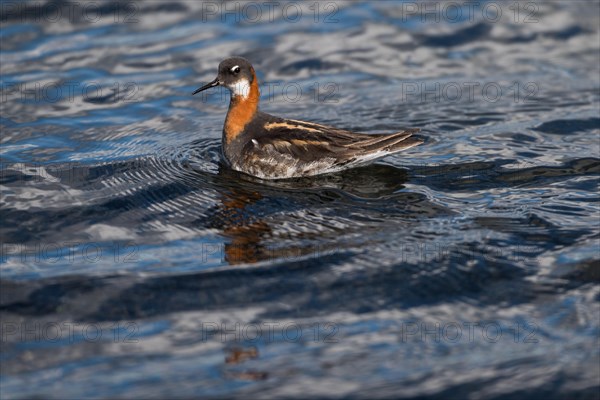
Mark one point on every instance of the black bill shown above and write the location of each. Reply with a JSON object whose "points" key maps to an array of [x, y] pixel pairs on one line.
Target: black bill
{"points": [[207, 86]]}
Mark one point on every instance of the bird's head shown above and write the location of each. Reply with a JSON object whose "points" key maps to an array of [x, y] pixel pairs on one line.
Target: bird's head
{"points": [[236, 74]]}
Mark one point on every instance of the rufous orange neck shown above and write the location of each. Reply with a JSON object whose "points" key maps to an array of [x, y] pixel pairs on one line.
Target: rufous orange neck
{"points": [[241, 111]]}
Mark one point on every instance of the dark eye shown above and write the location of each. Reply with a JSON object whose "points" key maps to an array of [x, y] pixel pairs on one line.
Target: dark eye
{"points": [[235, 70]]}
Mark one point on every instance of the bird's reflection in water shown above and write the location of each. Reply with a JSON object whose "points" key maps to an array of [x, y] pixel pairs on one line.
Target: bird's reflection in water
{"points": [[240, 355], [248, 230], [244, 230]]}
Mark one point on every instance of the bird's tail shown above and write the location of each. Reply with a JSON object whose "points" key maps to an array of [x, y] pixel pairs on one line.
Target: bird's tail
{"points": [[379, 146], [390, 143]]}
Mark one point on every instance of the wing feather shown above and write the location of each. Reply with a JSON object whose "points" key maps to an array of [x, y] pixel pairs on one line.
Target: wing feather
{"points": [[311, 141]]}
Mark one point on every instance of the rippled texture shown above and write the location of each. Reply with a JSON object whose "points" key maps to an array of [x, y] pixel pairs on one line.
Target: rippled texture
{"points": [[134, 265]]}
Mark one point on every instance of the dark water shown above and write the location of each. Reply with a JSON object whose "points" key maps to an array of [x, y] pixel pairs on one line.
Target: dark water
{"points": [[135, 266]]}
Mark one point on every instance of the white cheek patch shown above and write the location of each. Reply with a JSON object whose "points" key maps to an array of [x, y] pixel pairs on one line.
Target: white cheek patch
{"points": [[241, 88]]}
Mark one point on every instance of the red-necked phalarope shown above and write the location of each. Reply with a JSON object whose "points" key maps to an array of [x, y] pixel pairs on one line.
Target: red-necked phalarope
{"points": [[270, 147]]}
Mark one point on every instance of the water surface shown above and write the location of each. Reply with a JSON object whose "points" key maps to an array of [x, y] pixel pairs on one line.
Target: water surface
{"points": [[135, 265]]}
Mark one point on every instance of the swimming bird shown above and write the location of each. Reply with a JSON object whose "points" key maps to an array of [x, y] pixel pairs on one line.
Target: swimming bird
{"points": [[270, 147]]}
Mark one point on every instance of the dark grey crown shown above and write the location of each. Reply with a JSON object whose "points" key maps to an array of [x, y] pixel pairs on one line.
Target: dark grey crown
{"points": [[233, 69]]}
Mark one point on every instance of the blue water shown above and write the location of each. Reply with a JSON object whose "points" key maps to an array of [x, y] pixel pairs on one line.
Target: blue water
{"points": [[135, 265]]}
